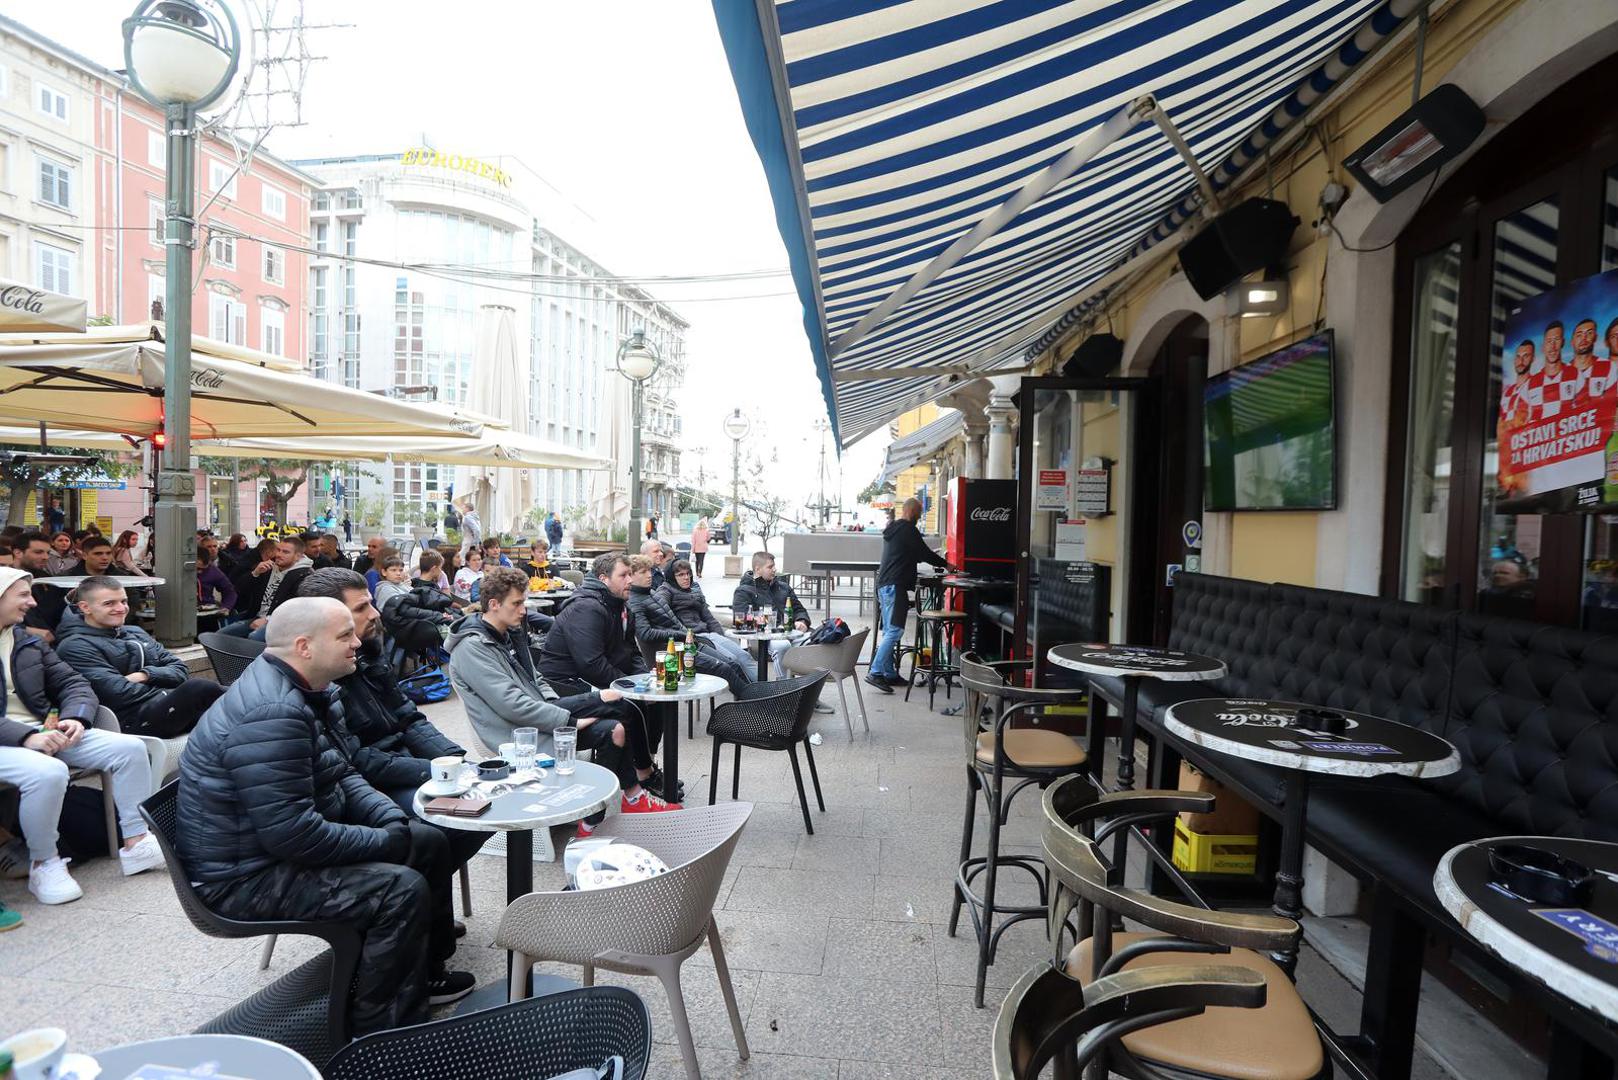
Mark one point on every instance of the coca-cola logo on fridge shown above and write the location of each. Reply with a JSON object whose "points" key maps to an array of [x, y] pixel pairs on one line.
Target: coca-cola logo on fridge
{"points": [[990, 513]]}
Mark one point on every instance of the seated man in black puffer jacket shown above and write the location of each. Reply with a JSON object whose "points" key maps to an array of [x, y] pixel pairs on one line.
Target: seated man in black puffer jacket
{"points": [[413, 613], [274, 823], [655, 623], [383, 735]]}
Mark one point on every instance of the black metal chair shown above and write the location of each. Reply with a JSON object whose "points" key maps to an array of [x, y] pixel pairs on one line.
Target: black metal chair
{"points": [[229, 655], [305, 1009], [769, 716], [1001, 761], [935, 628], [535, 1037]]}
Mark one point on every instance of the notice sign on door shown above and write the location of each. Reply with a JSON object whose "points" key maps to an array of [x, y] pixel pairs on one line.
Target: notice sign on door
{"points": [[1052, 491], [1558, 416], [1071, 540]]}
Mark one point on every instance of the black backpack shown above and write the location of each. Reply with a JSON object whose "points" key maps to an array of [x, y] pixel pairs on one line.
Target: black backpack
{"points": [[829, 632]]}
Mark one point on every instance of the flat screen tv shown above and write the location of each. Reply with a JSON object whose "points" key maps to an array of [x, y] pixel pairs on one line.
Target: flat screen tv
{"points": [[1270, 432]]}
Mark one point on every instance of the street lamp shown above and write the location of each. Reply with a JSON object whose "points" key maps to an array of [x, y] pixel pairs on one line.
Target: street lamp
{"points": [[181, 56], [637, 361], [736, 426]]}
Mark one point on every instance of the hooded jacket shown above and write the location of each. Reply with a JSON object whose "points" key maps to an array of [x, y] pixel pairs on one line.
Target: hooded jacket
{"points": [[776, 593], [388, 739], [263, 782], [691, 607], [591, 643], [42, 680], [104, 657], [902, 549], [419, 600], [493, 673], [654, 620]]}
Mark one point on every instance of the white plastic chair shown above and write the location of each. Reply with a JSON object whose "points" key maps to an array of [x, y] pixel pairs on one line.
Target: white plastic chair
{"points": [[839, 659]]}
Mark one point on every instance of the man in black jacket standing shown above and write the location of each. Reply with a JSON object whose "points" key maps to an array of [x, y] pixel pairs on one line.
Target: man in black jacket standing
{"points": [[274, 823], [902, 549]]}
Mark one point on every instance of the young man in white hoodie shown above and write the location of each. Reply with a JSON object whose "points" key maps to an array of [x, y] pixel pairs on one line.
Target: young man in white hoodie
{"points": [[45, 731]]}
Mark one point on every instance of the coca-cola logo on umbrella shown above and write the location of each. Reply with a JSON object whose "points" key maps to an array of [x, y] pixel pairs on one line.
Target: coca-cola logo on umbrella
{"points": [[990, 513], [207, 378], [23, 299]]}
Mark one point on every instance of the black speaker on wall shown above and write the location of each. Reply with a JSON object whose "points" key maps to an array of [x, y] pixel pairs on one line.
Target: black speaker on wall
{"points": [[1249, 236], [1096, 357]]}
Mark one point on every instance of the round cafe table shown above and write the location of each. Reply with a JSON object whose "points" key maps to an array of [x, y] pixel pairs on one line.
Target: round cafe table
{"points": [[759, 640], [665, 706], [1572, 950], [73, 581], [1272, 733], [530, 805], [199, 1055], [1132, 663]]}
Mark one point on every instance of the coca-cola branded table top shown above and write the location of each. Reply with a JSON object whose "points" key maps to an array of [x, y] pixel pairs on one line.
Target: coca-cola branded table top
{"points": [[1273, 733], [1137, 660], [1571, 948]]}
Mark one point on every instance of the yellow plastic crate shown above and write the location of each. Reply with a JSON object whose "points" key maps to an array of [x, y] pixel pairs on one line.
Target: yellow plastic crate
{"points": [[1211, 853]]}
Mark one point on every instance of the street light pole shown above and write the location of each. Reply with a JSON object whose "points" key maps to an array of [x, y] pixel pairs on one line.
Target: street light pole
{"points": [[736, 426], [181, 57], [637, 361], [823, 426]]}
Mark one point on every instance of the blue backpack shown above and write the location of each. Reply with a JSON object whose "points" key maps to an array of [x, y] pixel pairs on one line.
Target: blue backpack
{"points": [[425, 687]]}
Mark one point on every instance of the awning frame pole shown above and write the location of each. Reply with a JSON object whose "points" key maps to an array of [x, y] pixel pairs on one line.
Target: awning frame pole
{"points": [[1210, 197], [1036, 188]]}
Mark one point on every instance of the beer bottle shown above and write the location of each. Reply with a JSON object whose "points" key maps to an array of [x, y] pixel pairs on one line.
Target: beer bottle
{"points": [[688, 656], [53, 719], [671, 669]]}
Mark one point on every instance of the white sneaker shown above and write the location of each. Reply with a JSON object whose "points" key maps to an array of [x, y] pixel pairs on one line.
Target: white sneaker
{"points": [[52, 884], [145, 855]]}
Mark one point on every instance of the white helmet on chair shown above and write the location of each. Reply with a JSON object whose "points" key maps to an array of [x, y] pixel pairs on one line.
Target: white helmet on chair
{"points": [[618, 864]]}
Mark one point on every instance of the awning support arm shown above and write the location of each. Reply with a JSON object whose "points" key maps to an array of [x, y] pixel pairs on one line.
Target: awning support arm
{"points": [[1176, 140], [1036, 188]]}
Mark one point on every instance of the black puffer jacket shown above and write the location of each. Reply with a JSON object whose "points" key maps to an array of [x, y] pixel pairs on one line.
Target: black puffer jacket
{"points": [[755, 592], [105, 656], [387, 739], [424, 601], [655, 621], [43, 680], [261, 782], [691, 607], [590, 644]]}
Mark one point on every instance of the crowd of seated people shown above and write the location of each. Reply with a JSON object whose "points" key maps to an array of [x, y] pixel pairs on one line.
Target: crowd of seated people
{"points": [[656, 624]]}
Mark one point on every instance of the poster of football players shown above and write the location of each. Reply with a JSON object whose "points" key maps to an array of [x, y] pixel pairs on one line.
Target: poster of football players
{"points": [[1559, 397]]}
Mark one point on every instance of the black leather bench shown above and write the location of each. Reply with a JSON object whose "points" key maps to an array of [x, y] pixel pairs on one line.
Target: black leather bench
{"points": [[1531, 709]]}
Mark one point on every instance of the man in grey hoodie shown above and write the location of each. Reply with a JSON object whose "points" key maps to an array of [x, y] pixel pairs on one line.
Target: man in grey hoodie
{"points": [[493, 672]]}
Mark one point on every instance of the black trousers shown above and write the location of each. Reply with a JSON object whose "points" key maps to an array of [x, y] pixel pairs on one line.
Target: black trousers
{"points": [[462, 844], [699, 556], [417, 637], [175, 713], [400, 907]]}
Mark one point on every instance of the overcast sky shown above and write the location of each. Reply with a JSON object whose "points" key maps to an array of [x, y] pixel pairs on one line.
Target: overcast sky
{"points": [[627, 109]]}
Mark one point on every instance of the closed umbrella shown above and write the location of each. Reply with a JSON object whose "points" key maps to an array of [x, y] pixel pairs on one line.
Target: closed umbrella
{"points": [[500, 390], [609, 490]]}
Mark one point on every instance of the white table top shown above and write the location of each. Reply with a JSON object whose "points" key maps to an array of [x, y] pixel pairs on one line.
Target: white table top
{"points": [[770, 635], [1577, 962], [702, 686], [73, 581], [1268, 732], [556, 801], [536, 600], [1137, 661], [227, 1055]]}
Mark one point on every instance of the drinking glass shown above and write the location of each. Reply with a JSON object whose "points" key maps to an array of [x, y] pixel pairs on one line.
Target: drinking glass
{"points": [[527, 748], [567, 748]]}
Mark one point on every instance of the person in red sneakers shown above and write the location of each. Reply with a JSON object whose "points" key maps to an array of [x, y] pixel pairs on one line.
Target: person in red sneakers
{"points": [[492, 670]]}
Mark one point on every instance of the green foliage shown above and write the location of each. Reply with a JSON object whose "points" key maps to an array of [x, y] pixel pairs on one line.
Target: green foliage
{"points": [[872, 490], [20, 475]]}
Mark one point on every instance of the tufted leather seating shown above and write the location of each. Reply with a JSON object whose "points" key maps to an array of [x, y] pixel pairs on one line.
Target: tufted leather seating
{"points": [[1532, 709]]}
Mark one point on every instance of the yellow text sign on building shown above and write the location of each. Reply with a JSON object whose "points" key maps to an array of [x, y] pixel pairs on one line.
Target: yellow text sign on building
{"points": [[433, 159]]}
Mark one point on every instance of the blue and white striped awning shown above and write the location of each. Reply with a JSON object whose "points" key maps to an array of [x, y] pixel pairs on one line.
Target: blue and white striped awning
{"points": [[894, 134], [919, 445]]}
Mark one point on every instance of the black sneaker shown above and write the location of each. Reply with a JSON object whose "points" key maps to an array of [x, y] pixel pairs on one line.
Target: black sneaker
{"points": [[654, 783], [460, 929], [880, 682], [449, 986]]}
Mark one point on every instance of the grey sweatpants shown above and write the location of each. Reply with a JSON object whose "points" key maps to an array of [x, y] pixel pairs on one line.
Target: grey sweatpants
{"points": [[41, 781]]}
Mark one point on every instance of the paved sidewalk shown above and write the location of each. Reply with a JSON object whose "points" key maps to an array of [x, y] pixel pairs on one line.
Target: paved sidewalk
{"points": [[837, 941]]}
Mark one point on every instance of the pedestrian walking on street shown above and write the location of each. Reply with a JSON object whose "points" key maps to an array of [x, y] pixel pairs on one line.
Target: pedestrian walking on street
{"points": [[699, 544]]}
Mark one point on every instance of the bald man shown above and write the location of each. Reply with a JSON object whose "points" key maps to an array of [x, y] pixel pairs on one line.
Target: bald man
{"points": [[902, 549], [274, 823]]}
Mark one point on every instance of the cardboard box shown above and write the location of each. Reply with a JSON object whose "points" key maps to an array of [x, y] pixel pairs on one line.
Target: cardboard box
{"points": [[1231, 816]]}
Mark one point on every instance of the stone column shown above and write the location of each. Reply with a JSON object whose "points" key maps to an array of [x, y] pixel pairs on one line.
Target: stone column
{"points": [[977, 429], [1002, 423]]}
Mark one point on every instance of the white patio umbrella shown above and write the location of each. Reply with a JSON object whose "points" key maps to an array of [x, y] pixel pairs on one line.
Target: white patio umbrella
{"points": [[500, 390], [609, 490], [23, 307], [118, 386]]}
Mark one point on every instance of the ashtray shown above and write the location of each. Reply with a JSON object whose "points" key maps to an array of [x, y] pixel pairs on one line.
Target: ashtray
{"points": [[1332, 723], [1541, 876], [493, 769]]}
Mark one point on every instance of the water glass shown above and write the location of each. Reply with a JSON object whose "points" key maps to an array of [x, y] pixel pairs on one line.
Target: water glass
{"points": [[527, 748], [566, 740]]}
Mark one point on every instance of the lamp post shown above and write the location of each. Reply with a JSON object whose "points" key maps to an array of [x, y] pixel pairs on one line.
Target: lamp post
{"points": [[637, 361], [181, 56], [736, 426]]}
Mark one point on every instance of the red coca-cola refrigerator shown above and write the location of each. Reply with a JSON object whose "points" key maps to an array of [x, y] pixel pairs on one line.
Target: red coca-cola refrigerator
{"points": [[980, 529]]}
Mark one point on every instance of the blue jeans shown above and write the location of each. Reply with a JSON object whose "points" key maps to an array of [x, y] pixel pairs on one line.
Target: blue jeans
{"points": [[882, 663], [240, 628]]}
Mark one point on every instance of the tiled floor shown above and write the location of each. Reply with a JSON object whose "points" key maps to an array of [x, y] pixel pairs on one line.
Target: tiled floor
{"points": [[837, 941]]}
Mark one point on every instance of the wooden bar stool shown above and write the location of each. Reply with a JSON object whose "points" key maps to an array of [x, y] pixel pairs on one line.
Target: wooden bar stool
{"points": [[935, 627]]}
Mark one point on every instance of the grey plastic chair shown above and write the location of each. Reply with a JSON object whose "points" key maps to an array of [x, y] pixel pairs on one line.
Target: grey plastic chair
{"points": [[839, 659], [575, 576], [649, 927]]}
